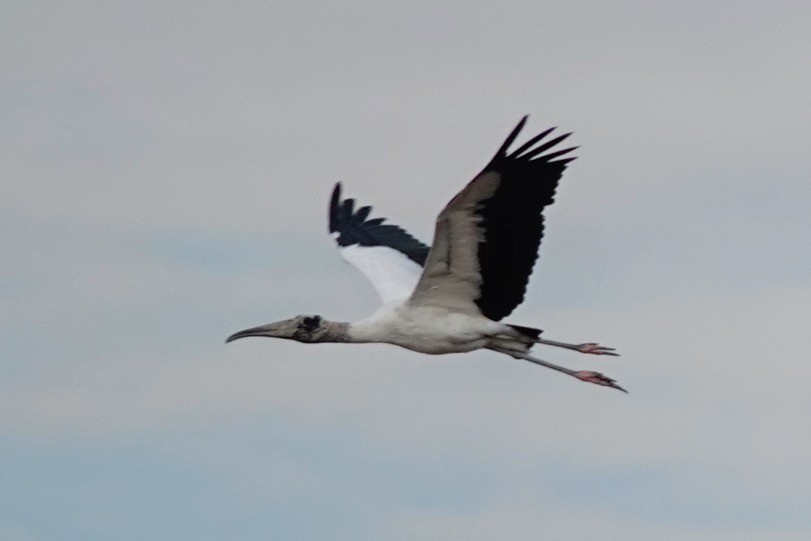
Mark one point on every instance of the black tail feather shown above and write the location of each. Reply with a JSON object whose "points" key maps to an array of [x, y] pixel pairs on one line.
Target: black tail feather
{"points": [[529, 332]]}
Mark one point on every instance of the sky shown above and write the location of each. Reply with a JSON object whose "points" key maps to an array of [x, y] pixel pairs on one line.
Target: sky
{"points": [[166, 168]]}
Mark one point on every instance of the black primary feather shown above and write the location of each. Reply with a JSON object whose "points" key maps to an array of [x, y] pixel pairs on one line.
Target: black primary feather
{"points": [[512, 219], [352, 227]]}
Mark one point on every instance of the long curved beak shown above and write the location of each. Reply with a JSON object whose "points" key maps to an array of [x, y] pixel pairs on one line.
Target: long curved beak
{"points": [[280, 329], [255, 331]]}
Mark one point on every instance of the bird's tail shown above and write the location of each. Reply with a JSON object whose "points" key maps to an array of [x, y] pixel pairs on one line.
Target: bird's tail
{"points": [[529, 332], [517, 343]]}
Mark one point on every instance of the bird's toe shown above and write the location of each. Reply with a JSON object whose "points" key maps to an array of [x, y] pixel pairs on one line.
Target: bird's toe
{"points": [[598, 379], [596, 349]]}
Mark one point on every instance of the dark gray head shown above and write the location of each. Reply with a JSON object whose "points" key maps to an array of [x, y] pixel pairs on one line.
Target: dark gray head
{"points": [[305, 329]]}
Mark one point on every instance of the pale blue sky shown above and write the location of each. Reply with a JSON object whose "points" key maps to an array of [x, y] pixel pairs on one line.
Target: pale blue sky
{"points": [[166, 167]]}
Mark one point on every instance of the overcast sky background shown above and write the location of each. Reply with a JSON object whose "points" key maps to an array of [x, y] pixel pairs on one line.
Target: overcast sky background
{"points": [[165, 172]]}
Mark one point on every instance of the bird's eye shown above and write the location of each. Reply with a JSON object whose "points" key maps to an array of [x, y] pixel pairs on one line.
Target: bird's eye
{"points": [[310, 323]]}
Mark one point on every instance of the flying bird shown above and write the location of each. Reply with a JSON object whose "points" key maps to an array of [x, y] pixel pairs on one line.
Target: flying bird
{"points": [[451, 297]]}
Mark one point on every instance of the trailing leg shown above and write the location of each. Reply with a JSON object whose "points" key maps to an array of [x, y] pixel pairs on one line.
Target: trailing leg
{"points": [[583, 375], [589, 347]]}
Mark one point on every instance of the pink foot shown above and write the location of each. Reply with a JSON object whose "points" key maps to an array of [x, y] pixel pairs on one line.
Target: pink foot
{"points": [[597, 378], [596, 349]]}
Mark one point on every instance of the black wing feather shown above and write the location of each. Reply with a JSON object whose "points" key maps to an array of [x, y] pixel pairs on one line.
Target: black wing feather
{"points": [[513, 222], [353, 228]]}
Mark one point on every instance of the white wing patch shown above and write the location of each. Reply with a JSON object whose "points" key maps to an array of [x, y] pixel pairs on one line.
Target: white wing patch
{"points": [[393, 275]]}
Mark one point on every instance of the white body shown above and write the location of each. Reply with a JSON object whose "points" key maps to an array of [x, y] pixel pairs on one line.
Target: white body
{"points": [[428, 329]]}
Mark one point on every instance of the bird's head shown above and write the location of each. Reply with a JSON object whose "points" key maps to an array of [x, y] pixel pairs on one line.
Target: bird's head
{"points": [[305, 329]]}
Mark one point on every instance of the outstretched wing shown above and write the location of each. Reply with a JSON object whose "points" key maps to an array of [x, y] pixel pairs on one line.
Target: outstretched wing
{"points": [[388, 256], [486, 239]]}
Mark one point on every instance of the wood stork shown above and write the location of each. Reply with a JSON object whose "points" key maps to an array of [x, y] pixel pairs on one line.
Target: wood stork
{"points": [[450, 298]]}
